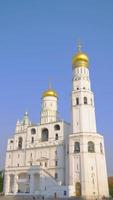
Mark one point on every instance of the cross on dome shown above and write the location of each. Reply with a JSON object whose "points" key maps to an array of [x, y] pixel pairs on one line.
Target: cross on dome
{"points": [[79, 46]]}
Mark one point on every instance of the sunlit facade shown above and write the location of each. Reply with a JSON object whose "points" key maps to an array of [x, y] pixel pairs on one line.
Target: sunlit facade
{"points": [[53, 157]]}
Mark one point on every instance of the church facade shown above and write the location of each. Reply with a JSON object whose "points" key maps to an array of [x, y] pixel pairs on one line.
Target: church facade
{"points": [[53, 157]]}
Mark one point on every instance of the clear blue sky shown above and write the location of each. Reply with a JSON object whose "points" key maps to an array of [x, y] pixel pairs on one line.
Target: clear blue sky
{"points": [[37, 42]]}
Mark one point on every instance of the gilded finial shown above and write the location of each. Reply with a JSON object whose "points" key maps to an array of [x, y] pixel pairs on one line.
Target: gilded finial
{"points": [[79, 46], [80, 59]]}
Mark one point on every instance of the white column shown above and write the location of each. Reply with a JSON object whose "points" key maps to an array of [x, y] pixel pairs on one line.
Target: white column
{"points": [[7, 184], [31, 184], [15, 184]]}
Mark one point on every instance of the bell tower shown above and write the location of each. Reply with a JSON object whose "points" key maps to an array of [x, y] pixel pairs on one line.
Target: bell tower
{"points": [[87, 163], [83, 110]]}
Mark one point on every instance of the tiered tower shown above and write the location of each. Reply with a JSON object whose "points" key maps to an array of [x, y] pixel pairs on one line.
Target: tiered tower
{"points": [[49, 111], [87, 157]]}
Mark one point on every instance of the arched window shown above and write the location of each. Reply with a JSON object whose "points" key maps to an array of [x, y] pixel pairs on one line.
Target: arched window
{"points": [[57, 127], [101, 148], [77, 101], [77, 147], [45, 135], [85, 100], [20, 140], [91, 147], [56, 136], [33, 131]]}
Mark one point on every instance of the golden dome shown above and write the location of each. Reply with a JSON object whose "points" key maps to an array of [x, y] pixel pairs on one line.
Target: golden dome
{"points": [[49, 92], [80, 59]]}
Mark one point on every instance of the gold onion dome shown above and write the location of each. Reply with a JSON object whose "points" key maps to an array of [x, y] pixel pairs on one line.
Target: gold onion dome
{"points": [[49, 92], [80, 59]]}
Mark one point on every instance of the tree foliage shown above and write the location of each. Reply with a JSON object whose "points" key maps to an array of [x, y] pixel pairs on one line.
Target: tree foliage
{"points": [[110, 183], [1, 181]]}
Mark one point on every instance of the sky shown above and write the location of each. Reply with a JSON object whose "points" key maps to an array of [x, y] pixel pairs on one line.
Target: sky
{"points": [[37, 42]]}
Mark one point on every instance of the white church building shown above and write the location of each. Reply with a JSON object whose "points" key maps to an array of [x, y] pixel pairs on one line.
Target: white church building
{"points": [[54, 157]]}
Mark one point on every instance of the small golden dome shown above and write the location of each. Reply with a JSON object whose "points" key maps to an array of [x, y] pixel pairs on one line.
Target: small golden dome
{"points": [[49, 92], [80, 59]]}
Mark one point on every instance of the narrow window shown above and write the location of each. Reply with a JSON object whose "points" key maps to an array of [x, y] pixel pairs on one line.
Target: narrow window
{"points": [[20, 140], [85, 100], [77, 147], [56, 136], [56, 175], [45, 164], [77, 101], [56, 163], [101, 148], [65, 193], [32, 140], [91, 147]]}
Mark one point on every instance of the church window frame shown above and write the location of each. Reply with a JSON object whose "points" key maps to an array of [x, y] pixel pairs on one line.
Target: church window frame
{"points": [[20, 143], [45, 164], [45, 135], [77, 101], [56, 175], [77, 147], [33, 131], [57, 127], [56, 136], [32, 140], [101, 148], [91, 147], [56, 163], [85, 101]]}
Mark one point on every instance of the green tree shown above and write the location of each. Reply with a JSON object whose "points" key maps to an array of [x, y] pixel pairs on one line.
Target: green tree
{"points": [[110, 183], [1, 181]]}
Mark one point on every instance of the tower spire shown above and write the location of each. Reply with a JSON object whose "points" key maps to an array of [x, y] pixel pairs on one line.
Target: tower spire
{"points": [[50, 85]]}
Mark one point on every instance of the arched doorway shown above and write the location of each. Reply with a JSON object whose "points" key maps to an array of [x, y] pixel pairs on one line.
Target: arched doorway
{"points": [[78, 189]]}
